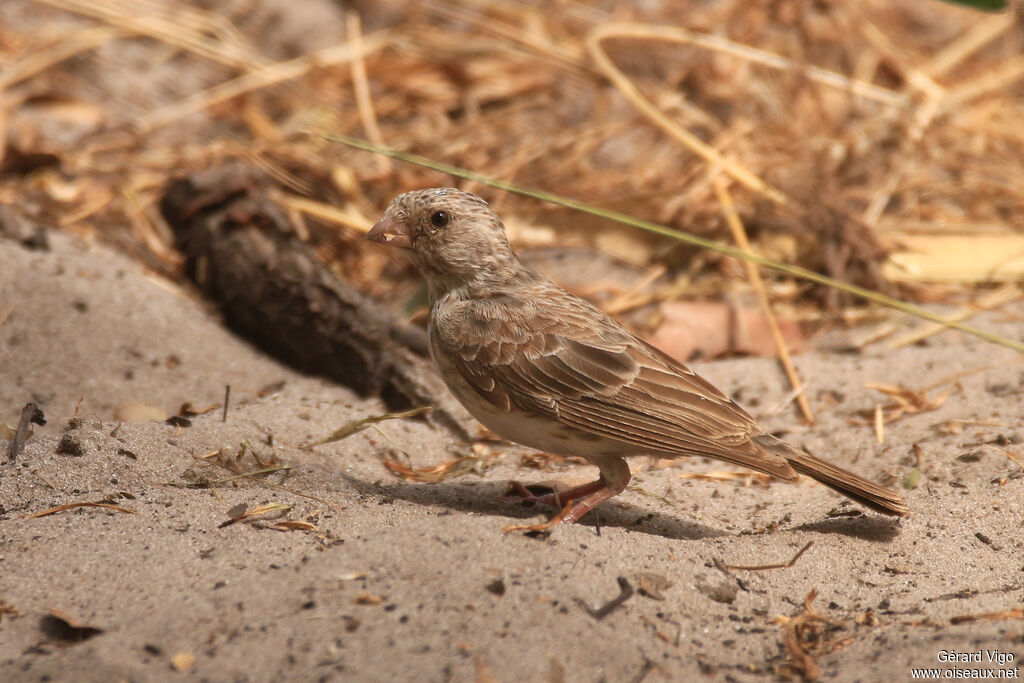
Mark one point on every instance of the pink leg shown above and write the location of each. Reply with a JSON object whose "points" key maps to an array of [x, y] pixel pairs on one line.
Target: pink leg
{"points": [[581, 499], [558, 498]]}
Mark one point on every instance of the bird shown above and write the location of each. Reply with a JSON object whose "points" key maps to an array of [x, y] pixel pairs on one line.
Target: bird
{"points": [[544, 368]]}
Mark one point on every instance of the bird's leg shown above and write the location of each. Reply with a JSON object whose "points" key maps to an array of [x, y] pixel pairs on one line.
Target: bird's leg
{"points": [[557, 498], [581, 499]]}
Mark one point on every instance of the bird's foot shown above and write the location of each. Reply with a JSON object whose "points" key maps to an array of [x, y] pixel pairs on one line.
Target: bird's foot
{"points": [[554, 498], [578, 501], [566, 516], [517, 489]]}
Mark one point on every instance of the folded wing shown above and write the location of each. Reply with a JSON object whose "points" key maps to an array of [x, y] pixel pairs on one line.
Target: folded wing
{"points": [[571, 362]]}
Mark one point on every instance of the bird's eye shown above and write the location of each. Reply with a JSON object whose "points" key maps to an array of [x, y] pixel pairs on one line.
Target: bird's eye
{"points": [[440, 219]]}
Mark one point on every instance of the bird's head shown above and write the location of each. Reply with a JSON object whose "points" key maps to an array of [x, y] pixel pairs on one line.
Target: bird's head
{"points": [[451, 236]]}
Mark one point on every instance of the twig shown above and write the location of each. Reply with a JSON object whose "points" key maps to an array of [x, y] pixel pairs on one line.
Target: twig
{"points": [[740, 235], [361, 85], [1015, 613], [782, 565], [227, 398], [70, 506], [347, 218], [625, 593]]}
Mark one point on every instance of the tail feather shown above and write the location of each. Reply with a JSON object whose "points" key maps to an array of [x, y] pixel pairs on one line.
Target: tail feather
{"points": [[865, 492]]}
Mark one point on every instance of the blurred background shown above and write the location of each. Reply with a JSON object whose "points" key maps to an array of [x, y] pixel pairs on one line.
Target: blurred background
{"points": [[878, 142]]}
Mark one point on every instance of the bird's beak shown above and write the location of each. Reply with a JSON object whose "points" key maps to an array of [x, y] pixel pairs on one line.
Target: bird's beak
{"points": [[391, 232]]}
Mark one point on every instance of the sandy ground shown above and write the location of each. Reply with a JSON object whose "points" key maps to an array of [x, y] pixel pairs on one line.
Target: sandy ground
{"points": [[399, 580]]}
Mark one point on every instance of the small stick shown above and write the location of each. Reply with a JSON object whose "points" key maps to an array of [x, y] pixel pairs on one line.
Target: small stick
{"points": [[360, 83], [783, 565], [626, 592], [227, 398], [740, 235], [331, 214], [1015, 613], [70, 506]]}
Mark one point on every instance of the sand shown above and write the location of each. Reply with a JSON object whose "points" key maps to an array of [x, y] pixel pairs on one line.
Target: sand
{"points": [[387, 580]]}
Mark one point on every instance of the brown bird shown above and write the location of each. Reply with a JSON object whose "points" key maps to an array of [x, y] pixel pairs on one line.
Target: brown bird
{"points": [[546, 369]]}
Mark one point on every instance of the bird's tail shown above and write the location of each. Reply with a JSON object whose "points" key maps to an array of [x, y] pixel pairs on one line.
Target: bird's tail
{"points": [[853, 486]]}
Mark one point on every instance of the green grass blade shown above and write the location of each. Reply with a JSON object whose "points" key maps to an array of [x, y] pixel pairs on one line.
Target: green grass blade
{"points": [[665, 231]]}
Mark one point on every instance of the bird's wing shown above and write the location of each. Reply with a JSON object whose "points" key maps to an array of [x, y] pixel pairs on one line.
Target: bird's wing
{"points": [[550, 352]]}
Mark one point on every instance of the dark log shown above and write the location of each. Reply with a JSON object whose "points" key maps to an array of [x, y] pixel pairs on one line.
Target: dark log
{"points": [[274, 291]]}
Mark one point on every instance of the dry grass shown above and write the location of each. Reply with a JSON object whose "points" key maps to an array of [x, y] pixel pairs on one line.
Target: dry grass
{"points": [[846, 131]]}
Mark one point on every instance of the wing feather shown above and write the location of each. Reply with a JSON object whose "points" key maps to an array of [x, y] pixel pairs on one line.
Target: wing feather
{"points": [[572, 363]]}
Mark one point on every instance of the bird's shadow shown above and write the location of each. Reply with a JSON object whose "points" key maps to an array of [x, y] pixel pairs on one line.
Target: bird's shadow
{"points": [[866, 527], [488, 498]]}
